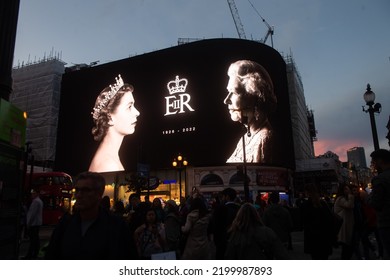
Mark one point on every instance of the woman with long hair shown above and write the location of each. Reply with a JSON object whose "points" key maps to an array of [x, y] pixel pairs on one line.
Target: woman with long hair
{"points": [[199, 241], [251, 240], [150, 237], [317, 225], [344, 207]]}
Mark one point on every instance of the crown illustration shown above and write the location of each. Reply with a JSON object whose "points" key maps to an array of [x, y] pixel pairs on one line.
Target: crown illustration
{"points": [[178, 85], [107, 97]]}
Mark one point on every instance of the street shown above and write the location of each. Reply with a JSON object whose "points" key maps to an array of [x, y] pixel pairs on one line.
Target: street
{"points": [[295, 254]]}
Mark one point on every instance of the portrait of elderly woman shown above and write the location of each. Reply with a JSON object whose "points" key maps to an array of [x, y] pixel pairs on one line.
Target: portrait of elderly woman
{"points": [[114, 116], [250, 100]]}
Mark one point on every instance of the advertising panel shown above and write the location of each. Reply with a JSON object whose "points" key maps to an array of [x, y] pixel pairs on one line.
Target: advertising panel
{"points": [[203, 100], [12, 124]]}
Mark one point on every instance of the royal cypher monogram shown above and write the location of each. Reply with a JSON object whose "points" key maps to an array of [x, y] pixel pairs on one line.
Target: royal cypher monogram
{"points": [[178, 100]]}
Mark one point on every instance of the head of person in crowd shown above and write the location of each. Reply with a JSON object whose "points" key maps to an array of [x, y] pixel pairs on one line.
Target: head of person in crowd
{"points": [[274, 198], [150, 217], [34, 193], [229, 195], [380, 160], [89, 189], [171, 206], [105, 203], [199, 204], [157, 203], [119, 207], [246, 219], [344, 190], [312, 193], [134, 200]]}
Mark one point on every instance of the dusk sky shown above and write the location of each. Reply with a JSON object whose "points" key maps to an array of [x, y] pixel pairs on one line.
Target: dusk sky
{"points": [[338, 46]]}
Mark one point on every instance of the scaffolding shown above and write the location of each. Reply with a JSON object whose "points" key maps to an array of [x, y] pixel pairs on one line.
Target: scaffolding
{"points": [[37, 90]]}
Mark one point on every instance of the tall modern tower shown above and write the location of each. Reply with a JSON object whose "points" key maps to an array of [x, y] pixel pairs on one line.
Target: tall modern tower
{"points": [[357, 157]]}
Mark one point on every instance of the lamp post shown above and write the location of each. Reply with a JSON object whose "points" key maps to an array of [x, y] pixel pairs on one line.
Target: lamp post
{"points": [[369, 97], [248, 132], [180, 163]]}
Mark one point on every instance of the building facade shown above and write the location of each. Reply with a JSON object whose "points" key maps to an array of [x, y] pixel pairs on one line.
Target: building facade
{"points": [[357, 157], [37, 91]]}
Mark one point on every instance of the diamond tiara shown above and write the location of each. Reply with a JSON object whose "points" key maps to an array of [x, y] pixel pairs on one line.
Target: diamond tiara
{"points": [[107, 97]]}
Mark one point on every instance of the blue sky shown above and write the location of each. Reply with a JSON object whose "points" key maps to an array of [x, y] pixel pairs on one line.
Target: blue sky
{"points": [[339, 46]]}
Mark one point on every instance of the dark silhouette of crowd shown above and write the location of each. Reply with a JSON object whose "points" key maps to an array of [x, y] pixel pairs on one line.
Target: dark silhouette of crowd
{"points": [[355, 223]]}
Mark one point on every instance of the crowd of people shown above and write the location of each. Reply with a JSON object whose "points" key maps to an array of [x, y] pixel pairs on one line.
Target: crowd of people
{"points": [[144, 229], [224, 227]]}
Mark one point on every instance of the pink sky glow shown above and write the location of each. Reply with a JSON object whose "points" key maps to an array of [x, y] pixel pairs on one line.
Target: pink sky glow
{"points": [[339, 147]]}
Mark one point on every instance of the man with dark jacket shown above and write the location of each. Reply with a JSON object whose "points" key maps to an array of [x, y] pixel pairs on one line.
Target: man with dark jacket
{"points": [[278, 218], [91, 232], [379, 198], [222, 219]]}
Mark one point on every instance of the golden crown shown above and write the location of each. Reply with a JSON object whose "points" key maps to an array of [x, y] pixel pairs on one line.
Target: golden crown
{"points": [[107, 97]]}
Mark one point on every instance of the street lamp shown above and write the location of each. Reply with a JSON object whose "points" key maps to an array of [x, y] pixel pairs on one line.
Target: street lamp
{"points": [[248, 132], [369, 97], [180, 163]]}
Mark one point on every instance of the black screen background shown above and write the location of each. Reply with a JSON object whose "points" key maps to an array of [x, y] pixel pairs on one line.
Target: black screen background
{"points": [[204, 63]]}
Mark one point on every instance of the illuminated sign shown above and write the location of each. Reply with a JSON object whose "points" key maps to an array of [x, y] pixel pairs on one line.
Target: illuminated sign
{"points": [[178, 101], [183, 108], [12, 124]]}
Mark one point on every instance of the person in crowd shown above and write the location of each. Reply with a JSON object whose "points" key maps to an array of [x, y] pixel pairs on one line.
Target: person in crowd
{"points": [[148, 204], [344, 207], [106, 203], [91, 232], [251, 240], [379, 198], [250, 100], [33, 224], [317, 219], [150, 236], [184, 208], [370, 228], [300, 200], [222, 218], [114, 116], [172, 225], [119, 209], [23, 221], [136, 211], [157, 205], [260, 205], [199, 244], [278, 218], [360, 223]]}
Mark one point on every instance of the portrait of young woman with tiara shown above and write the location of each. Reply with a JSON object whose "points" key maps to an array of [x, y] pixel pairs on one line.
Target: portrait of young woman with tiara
{"points": [[114, 116]]}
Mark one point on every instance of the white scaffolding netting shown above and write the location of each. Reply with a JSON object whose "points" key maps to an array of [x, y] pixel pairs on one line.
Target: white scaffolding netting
{"points": [[36, 90]]}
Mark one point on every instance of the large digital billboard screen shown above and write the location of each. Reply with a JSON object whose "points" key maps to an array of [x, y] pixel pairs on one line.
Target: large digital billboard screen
{"points": [[202, 100]]}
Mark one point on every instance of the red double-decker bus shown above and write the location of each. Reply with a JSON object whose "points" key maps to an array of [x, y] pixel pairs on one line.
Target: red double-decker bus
{"points": [[55, 190]]}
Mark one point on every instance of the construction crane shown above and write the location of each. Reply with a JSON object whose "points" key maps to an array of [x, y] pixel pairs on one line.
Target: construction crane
{"points": [[236, 18], [270, 31], [240, 27]]}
